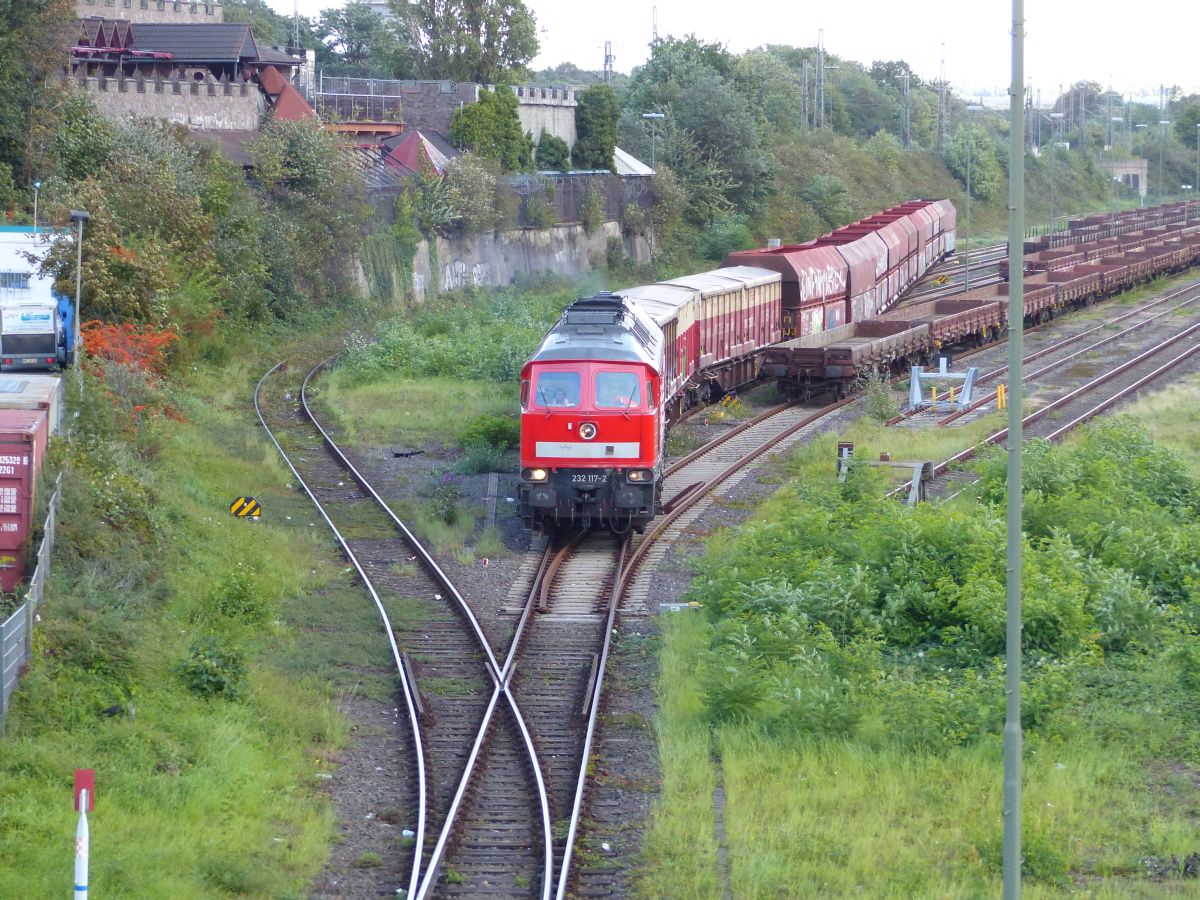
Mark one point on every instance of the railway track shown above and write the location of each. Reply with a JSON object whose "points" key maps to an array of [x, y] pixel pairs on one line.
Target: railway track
{"points": [[445, 649], [985, 270], [1062, 408], [1073, 349]]}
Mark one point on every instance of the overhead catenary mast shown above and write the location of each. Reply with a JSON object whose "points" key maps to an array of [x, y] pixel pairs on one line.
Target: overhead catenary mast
{"points": [[941, 122]]}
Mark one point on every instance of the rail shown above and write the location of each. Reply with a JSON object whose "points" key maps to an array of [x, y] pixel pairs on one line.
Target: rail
{"points": [[16, 632], [497, 673], [409, 689]]}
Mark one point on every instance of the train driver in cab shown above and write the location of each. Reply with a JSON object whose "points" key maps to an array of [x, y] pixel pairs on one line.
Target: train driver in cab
{"points": [[617, 390], [559, 390]]}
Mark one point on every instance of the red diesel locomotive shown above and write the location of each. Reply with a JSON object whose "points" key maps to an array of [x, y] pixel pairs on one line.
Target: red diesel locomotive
{"points": [[592, 419]]}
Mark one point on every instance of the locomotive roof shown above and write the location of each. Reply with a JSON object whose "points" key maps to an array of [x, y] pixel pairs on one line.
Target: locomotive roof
{"points": [[605, 327]]}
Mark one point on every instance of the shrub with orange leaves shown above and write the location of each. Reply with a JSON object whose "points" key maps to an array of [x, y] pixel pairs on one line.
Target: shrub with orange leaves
{"points": [[143, 347]]}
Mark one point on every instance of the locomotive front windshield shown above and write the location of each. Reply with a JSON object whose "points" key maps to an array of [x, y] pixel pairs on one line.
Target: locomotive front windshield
{"points": [[618, 390], [558, 389]]}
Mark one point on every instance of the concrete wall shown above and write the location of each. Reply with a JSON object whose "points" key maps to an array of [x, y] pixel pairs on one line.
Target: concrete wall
{"points": [[151, 11], [549, 108], [500, 259], [208, 104], [1133, 173]]}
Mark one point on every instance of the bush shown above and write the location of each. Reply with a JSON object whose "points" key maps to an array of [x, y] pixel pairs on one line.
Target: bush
{"points": [[633, 219], [540, 210], [472, 193], [724, 235], [445, 497], [480, 458], [213, 669], [553, 153], [881, 402], [498, 432], [237, 598], [594, 209], [614, 253]]}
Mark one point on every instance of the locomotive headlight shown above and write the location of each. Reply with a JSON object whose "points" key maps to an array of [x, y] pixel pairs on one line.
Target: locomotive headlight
{"points": [[534, 475], [587, 431], [640, 475]]}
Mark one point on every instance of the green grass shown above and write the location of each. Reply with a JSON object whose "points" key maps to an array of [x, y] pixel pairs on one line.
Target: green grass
{"points": [[1109, 779], [838, 819], [401, 412], [681, 843], [195, 797]]}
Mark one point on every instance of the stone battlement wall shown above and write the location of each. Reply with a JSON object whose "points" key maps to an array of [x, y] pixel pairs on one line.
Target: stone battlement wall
{"points": [[210, 103], [153, 11]]}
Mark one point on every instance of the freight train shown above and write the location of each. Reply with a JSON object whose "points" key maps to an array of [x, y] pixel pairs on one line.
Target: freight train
{"points": [[600, 391]]}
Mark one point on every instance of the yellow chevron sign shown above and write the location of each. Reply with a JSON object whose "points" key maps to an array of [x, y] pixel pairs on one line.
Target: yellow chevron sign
{"points": [[245, 508]]}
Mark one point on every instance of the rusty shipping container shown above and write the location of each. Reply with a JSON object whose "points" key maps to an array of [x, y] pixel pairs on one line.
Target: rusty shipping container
{"points": [[23, 435]]}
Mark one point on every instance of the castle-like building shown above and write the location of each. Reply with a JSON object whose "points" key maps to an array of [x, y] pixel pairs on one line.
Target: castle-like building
{"points": [[152, 12], [181, 61]]}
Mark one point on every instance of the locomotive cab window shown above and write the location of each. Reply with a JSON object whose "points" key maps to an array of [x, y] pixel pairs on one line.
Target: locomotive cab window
{"points": [[557, 390], [618, 390]]}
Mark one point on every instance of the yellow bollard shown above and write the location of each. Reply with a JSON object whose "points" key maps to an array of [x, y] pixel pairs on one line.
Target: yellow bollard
{"points": [[933, 400], [1001, 397], [952, 398]]}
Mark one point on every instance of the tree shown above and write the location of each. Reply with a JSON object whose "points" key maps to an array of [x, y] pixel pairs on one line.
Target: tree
{"points": [[33, 34], [1186, 120], [596, 118], [986, 173], [774, 89], [470, 40], [269, 27], [691, 81], [553, 154], [354, 40], [491, 128], [472, 191]]}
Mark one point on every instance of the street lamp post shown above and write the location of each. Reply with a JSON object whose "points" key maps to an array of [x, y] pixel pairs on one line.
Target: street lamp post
{"points": [[653, 131], [972, 107], [1162, 144], [1141, 195], [1197, 181], [1056, 123], [37, 187], [79, 216]]}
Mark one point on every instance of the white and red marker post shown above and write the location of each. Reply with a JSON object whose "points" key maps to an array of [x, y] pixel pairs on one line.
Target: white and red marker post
{"points": [[85, 800]]}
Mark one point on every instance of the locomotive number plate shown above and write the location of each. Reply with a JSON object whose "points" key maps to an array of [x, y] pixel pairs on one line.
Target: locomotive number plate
{"points": [[590, 478]]}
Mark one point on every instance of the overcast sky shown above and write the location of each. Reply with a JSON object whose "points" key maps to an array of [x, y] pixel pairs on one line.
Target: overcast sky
{"points": [[1133, 45]]}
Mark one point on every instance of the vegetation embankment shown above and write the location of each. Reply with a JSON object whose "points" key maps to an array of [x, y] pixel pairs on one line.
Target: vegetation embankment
{"points": [[845, 679], [191, 659]]}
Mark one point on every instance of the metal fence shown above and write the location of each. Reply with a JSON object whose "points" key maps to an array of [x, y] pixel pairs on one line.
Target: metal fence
{"points": [[569, 191], [16, 633]]}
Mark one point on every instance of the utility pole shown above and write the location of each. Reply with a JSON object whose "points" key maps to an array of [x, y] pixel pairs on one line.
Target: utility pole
{"points": [[608, 62], [807, 120], [906, 117], [1038, 129], [941, 124], [1110, 118], [654, 25], [1083, 119], [1011, 864], [821, 78]]}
